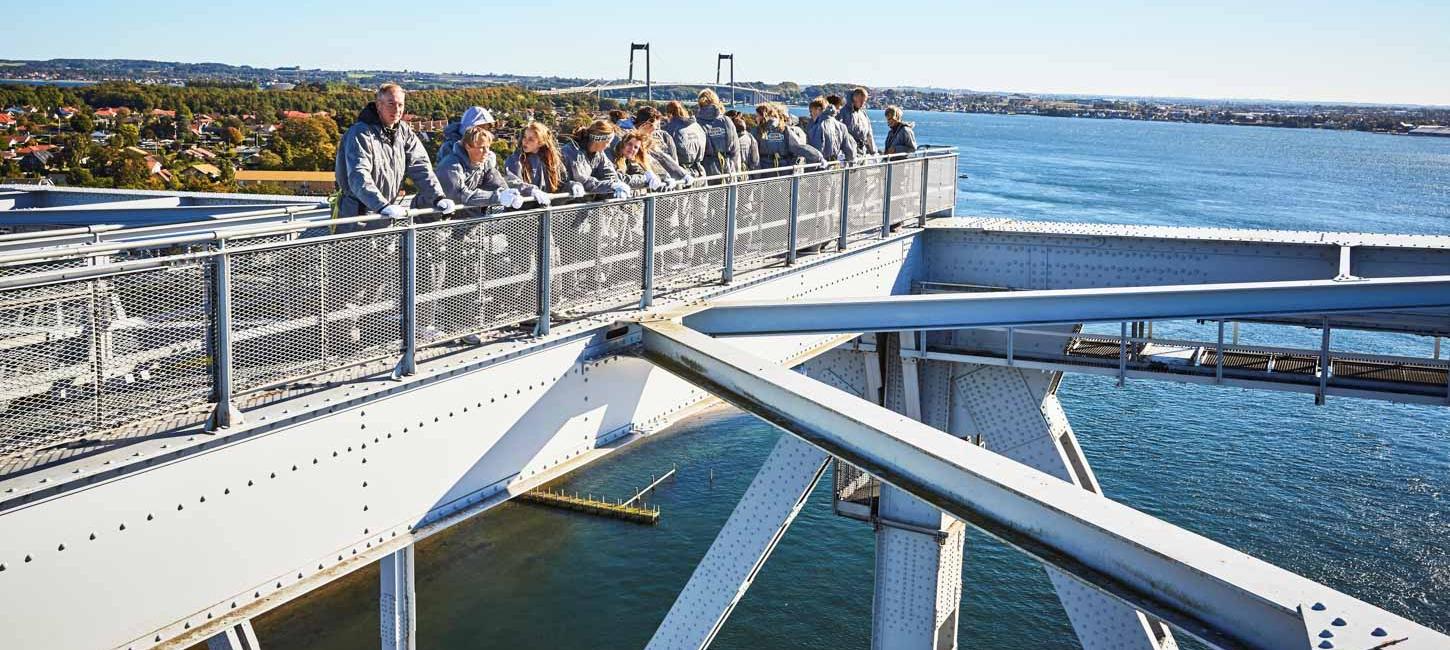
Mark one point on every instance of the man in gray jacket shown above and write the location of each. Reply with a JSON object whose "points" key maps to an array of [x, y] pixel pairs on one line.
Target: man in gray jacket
{"points": [[828, 135], [374, 157], [857, 124]]}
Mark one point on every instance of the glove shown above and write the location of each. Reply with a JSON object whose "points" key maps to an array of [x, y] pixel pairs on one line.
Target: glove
{"points": [[621, 191], [688, 180], [540, 196], [394, 212], [576, 190], [509, 198], [446, 206], [654, 182]]}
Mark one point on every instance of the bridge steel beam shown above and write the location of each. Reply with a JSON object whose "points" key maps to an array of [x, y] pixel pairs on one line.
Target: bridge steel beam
{"points": [[1017, 414], [237, 637], [398, 600], [774, 498], [1024, 308], [916, 598], [1210, 591], [325, 482]]}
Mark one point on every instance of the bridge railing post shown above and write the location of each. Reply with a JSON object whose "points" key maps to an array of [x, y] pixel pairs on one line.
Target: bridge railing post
{"points": [[794, 224], [732, 196], [925, 185], [408, 303], [886, 203], [845, 209], [225, 413], [647, 265], [546, 220]]}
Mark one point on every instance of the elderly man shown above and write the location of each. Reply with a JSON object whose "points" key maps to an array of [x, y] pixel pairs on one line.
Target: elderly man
{"points": [[374, 157], [857, 124]]}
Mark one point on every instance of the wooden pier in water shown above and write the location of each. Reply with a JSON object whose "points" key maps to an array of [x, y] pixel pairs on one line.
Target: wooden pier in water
{"points": [[626, 510]]}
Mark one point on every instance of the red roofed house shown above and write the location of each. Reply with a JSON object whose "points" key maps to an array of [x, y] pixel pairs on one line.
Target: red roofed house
{"points": [[157, 112], [6, 119]]}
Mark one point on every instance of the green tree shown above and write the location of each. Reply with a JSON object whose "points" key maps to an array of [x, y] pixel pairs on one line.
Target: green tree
{"points": [[81, 122], [128, 135]]}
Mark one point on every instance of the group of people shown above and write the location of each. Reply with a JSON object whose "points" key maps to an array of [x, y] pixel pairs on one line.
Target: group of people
{"points": [[647, 151]]}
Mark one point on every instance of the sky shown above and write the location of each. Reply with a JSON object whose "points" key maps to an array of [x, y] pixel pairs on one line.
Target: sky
{"points": [[1390, 51]]}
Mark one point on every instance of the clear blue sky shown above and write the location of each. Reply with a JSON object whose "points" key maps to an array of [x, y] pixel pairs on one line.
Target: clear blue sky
{"points": [[1340, 50]]}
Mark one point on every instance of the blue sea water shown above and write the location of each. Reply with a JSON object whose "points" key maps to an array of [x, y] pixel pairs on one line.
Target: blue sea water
{"points": [[1353, 494]]}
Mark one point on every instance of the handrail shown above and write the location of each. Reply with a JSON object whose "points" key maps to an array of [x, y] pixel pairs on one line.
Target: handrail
{"points": [[524, 265], [92, 250]]}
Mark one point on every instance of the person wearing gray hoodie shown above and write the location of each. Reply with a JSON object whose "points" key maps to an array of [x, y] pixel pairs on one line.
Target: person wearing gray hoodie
{"points": [[829, 135], [858, 124], [689, 138], [722, 141], [781, 142], [587, 164], [376, 154], [469, 175], [902, 136]]}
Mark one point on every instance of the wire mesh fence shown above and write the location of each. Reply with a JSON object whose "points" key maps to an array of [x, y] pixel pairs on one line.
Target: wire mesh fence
{"points": [[596, 256], [762, 222], [941, 180], [819, 203], [122, 347], [863, 215], [905, 190], [690, 236]]}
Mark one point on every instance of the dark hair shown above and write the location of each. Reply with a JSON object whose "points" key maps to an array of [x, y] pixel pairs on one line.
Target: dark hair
{"points": [[858, 90], [738, 120], [646, 114], [835, 100], [616, 115], [818, 104]]}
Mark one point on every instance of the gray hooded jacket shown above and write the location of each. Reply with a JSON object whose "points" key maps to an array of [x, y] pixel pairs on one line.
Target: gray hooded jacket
{"points": [[859, 126], [689, 143], [781, 146], [664, 143], [372, 163], [593, 171], [830, 137], [465, 182], [722, 143], [749, 150], [900, 139]]}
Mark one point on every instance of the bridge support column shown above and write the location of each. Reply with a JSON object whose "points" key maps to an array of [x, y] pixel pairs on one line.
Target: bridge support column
{"points": [[919, 549], [397, 600], [236, 637], [1017, 415]]}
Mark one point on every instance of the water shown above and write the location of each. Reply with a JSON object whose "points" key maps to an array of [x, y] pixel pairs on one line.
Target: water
{"points": [[1352, 494]]}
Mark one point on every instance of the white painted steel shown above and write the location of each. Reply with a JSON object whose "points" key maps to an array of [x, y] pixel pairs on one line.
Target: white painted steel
{"points": [[767, 509], [310, 486], [1018, 416], [1036, 307], [398, 601], [919, 549], [1204, 588]]}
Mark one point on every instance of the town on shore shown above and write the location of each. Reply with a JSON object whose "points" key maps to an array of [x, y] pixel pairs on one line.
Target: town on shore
{"points": [[214, 127]]}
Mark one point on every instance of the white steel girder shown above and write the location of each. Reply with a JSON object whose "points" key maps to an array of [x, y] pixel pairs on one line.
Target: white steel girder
{"points": [[1017, 415], [312, 488], [398, 600], [1211, 591], [917, 591]]}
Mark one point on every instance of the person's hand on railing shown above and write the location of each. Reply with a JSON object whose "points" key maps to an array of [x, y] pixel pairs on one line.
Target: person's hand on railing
{"points": [[687, 180], [655, 184], [538, 195], [510, 198], [445, 206], [394, 212], [576, 190], [621, 190]]}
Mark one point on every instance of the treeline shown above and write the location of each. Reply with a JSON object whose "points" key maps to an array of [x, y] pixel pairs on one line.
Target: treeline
{"points": [[341, 101]]}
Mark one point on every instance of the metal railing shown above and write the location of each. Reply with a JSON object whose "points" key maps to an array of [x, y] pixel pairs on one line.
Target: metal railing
{"points": [[91, 346]]}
